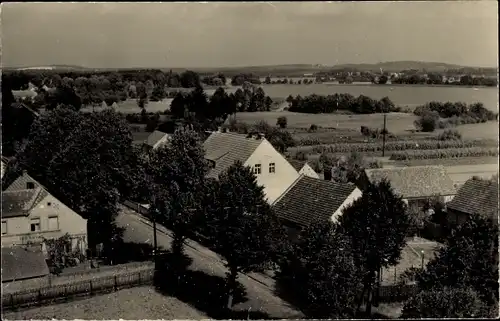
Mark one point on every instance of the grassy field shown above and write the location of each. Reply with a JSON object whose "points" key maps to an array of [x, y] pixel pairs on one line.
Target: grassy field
{"points": [[397, 123], [137, 303]]}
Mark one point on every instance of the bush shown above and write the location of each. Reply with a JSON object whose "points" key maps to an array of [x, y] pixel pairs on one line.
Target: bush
{"points": [[450, 134], [313, 128], [282, 122], [427, 122], [445, 153]]}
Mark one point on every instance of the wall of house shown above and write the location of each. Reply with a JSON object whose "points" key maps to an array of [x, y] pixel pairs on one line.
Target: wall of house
{"points": [[19, 228], [307, 170], [162, 141], [274, 183], [348, 201]]}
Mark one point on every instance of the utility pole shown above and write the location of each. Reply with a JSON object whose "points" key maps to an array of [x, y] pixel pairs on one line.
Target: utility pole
{"points": [[383, 135]]}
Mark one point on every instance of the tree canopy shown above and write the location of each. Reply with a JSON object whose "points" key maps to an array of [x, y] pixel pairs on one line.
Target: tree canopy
{"points": [[377, 225], [242, 226], [319, 274], [177, 171], [82, 160]]}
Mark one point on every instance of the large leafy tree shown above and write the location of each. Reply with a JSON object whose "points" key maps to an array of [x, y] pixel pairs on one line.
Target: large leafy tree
{"points": [[242, 226], [377, 224], [320, 274], [177, 171], [82, 160], [16, 121], [445, 303], [468, 259]]}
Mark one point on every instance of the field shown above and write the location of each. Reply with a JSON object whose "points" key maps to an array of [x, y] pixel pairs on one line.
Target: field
{"points": [[137, 303], [397, 123]]}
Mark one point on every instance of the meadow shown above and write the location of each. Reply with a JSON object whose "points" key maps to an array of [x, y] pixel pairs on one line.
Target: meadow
{"points": [[128, 304]]}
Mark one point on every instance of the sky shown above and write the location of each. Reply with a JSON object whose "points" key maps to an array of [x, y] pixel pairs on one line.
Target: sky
{"points": [[183, 35]]}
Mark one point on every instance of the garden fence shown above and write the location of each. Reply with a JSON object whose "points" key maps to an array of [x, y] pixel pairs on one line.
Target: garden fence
{"points": [[64, 292]]}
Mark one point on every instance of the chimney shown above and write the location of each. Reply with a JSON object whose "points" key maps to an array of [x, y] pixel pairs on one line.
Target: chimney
{"points": [[327, 173], [25, 172]]}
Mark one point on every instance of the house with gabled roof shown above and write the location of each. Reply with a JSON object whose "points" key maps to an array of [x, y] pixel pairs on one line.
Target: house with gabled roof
{"points": [[415, 184], [303, 168], [155, 140], [310, 200], [5, 161], [31, 214], [475, 197], [271, 168]]}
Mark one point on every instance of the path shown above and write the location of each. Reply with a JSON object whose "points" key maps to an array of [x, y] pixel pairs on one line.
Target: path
{"points": [[260, 289]]}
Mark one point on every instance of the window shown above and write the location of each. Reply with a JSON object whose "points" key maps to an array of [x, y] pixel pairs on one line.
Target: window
{"points": [[35, 225], [4, 227], [30, 185], [272, 168], [257, 169], [53, 223]]}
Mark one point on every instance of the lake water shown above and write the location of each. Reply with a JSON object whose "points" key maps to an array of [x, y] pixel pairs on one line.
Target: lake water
{"points": [[401, 95]]}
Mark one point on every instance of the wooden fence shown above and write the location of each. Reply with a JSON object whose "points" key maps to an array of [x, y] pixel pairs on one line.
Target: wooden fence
{"points": [[395, 292], [68, 291]]}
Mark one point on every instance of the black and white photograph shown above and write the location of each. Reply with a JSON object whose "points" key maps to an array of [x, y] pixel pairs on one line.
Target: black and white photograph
{"points": [[249, 160]]}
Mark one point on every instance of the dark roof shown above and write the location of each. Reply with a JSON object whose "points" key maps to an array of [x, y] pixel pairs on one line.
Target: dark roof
{"points": [[23, 263], [19, 203], [476, 197], [297, 164], [154, 138], [415, 181], [227, 148], [311, 199], [14, 196]]}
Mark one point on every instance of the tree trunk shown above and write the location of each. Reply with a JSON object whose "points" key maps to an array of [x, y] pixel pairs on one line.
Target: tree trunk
{"points": [[361, 298], [370, 292], [231, 285], [178, 245]]}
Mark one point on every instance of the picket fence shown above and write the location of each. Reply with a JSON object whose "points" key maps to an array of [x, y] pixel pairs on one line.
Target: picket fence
{"points": [[64, 292]]}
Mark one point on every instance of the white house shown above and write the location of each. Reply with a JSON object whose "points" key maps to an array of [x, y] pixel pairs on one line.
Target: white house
{"points": [[155, 140], [310, 199], [30, 214], [4, 165], [303, 168], [272, 169]]}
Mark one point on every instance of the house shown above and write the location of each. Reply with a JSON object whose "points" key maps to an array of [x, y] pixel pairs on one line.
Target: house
{"points": [[155, 140], [415, 184], [272, 170], [303, 168], [310, 199], [5, 161], [475, 197], [22, 263], [31, 214]]}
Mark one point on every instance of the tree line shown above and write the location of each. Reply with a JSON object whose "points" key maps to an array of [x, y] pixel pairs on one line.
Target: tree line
{"points": [[316, 104], [442, 115]]}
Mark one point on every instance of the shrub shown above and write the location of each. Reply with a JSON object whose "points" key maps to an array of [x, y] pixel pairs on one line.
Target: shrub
{"points": [[427, 122], [313, 128], [450, 134], [282, 122], [445, 153]]}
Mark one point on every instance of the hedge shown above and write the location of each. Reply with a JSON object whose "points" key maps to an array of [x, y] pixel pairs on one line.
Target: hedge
{"points": [[398, 146], [445, 153]]}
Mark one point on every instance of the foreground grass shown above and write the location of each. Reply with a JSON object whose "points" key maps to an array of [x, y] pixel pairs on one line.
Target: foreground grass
{"points": [[130, 304]]}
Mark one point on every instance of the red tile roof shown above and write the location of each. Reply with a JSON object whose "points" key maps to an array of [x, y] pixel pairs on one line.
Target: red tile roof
{"points": [[477, 197]]}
